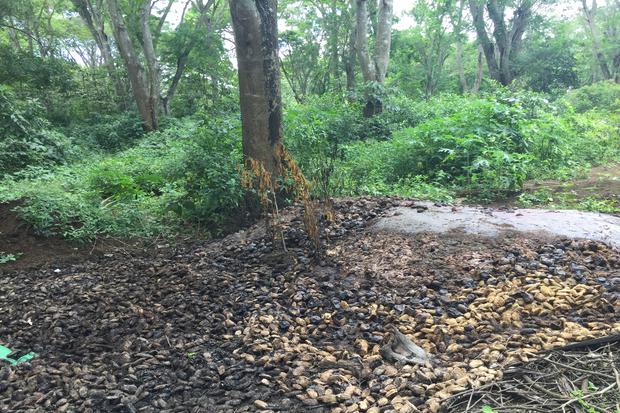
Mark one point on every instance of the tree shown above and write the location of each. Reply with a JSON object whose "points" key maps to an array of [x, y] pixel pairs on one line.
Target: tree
{"points": [[92, 14], [189, 33], [458, 24], [144, 83], [610, 51], [256, 39], [502, 51], [374, 68], [434, 39]]}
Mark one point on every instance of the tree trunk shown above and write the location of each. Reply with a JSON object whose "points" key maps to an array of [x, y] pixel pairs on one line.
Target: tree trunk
{"points": [[152, 64], [135, 71], [590, 16], [256, 39], [374, 68], [383, 41], [478, 81], [477, 12], [500, 54], [178, 73], [367, 66], [350, 60], [459, 67], [94, 22]]}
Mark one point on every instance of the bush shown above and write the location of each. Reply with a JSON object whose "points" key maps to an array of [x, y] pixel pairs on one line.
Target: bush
{"points": [[486, 146], [188, 172], [25, 137], [205, 171], [604, 96], [109, 133]]}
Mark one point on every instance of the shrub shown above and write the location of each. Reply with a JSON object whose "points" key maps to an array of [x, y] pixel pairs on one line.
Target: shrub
{"points": [[188, 172], [109, 133], [25, 137], [206, 174], [603, 95], [487, 146]]}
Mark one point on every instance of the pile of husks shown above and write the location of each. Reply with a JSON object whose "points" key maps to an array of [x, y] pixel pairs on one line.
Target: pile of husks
{"points": [[241, 325]]}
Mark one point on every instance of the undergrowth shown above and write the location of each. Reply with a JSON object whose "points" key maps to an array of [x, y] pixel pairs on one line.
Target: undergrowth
{"points": [[187, 176]]}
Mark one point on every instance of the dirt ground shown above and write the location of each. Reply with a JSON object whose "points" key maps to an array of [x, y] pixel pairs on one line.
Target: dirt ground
{"points": [[34, 251], [239, 325], [602, 182]]}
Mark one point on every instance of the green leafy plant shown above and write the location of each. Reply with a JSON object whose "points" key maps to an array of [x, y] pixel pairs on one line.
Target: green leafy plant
{"points": [[5, 258]]}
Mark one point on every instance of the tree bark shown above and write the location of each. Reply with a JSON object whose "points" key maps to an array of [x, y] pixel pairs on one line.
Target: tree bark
{"points": [[590, 16], [92, 17], [367, 66], [349, 66], [374, 68], [383, 41], [478, 80], [152, 63], [256, 39], [135, 71], [500, 53]]}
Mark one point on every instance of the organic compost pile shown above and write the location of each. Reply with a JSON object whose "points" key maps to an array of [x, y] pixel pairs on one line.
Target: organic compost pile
{"points": [[241, 325]]}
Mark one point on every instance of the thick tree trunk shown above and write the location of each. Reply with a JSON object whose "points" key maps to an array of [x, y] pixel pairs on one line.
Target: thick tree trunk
{"points": [[477, 12], [366, 64], [374, 68], [135, 71], [256, 39], [383, 41]]}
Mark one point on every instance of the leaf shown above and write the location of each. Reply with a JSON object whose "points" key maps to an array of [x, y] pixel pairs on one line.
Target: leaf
{"points": [[488, 409]]}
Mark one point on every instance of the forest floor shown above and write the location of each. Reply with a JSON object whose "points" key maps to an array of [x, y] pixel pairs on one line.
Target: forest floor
{"points": [[238, 324], [598, 189]]}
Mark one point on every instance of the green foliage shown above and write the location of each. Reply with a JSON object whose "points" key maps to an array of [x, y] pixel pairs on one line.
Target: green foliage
{"points": [[205, 172], [488, 409], [185, 173], [486, 147], [109, 132], [5, 258], [25, 137], [604, 96]]}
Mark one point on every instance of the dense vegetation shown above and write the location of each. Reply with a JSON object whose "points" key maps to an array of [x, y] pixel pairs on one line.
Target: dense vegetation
{"points": [[77, 159]]}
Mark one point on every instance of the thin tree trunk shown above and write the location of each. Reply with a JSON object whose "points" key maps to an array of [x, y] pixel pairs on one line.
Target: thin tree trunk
{"points": [[460, 68], [256, 39], [590, 16], [350, 61], [135, 71], [152, 63], [94, 22], [478, 80], [181, 64]]}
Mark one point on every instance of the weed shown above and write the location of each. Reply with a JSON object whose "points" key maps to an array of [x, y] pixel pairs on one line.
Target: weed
{"points": [[5, 258]]}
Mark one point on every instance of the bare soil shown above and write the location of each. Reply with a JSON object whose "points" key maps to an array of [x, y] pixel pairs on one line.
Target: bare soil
{"points": [[238, 325], [32, 250], [602, 182]]}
